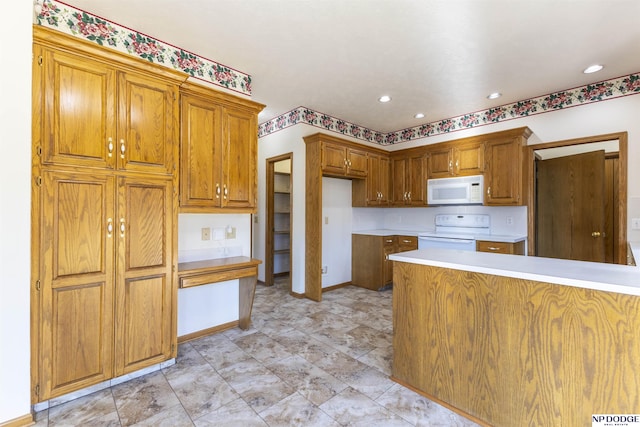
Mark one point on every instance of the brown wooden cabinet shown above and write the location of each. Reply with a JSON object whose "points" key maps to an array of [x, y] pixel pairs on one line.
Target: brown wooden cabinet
{"points": [[454, 159], [516, 248], [144, 322], [104, 214], [80, 90], [218, 162], [370, 264], [505, 173], [342, 161], [375, 189], [409, 176]]}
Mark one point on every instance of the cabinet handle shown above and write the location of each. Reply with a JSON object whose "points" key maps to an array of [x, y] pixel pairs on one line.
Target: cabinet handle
{"points": [[349, 163], [457, 164], [493, 248], [345, 162], [122, 148], [450, 165], [409, 195], [109, 227], [110, 147], [596, 234], [489, 191], [217, 191], [122, 227], [225, 192], [406, 241]]}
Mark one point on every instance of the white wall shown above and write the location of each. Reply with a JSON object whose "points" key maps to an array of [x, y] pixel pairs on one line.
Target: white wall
{"points": [[15, 193], [336, 231], [206, 306]]}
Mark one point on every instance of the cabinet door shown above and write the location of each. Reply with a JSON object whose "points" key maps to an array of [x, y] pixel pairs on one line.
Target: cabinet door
{"points": [[76, 312], [145, 290], [147, 128], [417, 181], [469, 159], [383, 180], [357, 163], [334, 159], [440, 162], [503, 177], [79, 110], [239, 159], [200, 153], [387, 265], [398, 176]]}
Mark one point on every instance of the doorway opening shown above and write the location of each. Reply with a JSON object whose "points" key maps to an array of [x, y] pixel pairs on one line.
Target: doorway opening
{"points": [[278, 237], [578, 206]]}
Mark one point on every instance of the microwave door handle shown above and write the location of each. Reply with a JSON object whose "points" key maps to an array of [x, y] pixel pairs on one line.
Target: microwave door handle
{"points": [[445, 239]]}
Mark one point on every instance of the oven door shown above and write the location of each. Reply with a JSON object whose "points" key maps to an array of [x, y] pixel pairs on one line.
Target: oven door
{"points": [[425, 242]]}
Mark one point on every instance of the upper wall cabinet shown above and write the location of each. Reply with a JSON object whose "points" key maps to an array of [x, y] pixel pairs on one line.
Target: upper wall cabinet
{"points": [[449, 159], [218, 151], [127, 116], [504, 179], [408, 177], [342, 161]]}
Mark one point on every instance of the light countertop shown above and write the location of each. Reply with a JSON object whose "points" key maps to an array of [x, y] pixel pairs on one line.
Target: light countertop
{"points": [[487, 237], [622, 279], [389, 232]]}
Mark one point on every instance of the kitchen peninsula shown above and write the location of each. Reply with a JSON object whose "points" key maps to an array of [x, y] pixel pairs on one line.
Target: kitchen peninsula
{"points": [[511, 340]]}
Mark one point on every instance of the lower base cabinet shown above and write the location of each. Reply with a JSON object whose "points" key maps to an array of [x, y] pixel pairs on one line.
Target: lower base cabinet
{"points": [[106, 297], [516, 248], [370, 266]]}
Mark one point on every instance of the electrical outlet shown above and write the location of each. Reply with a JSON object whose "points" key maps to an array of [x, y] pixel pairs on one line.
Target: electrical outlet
{"points": [[325, 269], [509, 220], [206, 233], [326, 220], [635, 223]]}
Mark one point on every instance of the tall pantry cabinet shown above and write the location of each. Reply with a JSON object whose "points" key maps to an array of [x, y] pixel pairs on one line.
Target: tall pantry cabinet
{"points": [[104, 214]]}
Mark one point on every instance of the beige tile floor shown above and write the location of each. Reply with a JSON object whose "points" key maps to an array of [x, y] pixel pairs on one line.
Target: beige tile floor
{"points": [[300, 364]]}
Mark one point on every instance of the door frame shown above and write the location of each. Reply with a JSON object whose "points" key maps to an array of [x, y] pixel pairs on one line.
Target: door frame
{"points": [[269, 227], [620, 240]]}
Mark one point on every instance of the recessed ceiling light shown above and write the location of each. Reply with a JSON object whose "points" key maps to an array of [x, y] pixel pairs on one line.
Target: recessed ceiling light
{"points": [[419, 116], [494, 95], [593, 68], [384, 98]]}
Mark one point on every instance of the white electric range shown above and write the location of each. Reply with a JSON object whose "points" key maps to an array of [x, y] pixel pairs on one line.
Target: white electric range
{"points": [[456, 231]]}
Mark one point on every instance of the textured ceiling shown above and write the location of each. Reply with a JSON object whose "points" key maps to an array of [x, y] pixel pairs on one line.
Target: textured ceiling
{"points": [[438, 57]]}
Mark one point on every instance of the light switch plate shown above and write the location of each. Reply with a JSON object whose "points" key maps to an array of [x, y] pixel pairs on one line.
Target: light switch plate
{"points": [[635, 223]]}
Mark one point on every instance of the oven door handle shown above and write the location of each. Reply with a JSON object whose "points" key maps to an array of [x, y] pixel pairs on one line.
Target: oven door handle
{"points": [[445, 239]]}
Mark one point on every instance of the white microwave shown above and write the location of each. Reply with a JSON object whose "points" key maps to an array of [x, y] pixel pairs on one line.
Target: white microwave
{"points": [[462, 190]]}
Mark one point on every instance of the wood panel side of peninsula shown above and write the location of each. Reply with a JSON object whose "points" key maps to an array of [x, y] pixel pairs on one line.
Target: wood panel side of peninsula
{"points": [[513, 352]]}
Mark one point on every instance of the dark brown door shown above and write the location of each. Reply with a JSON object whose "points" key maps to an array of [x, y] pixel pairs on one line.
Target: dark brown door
{"points": [[570, 207]]}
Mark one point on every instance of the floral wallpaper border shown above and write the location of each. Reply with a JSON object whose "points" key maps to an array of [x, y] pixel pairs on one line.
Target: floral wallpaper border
{"points": [[77, 22], [595, 92]]}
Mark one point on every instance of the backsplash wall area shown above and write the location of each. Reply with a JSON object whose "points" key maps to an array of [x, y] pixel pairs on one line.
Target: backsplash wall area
{"points": [[510, 220]]}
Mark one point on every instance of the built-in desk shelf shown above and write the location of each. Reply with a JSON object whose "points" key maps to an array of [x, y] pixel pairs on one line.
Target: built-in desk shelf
{"points": [[245, 269]]}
